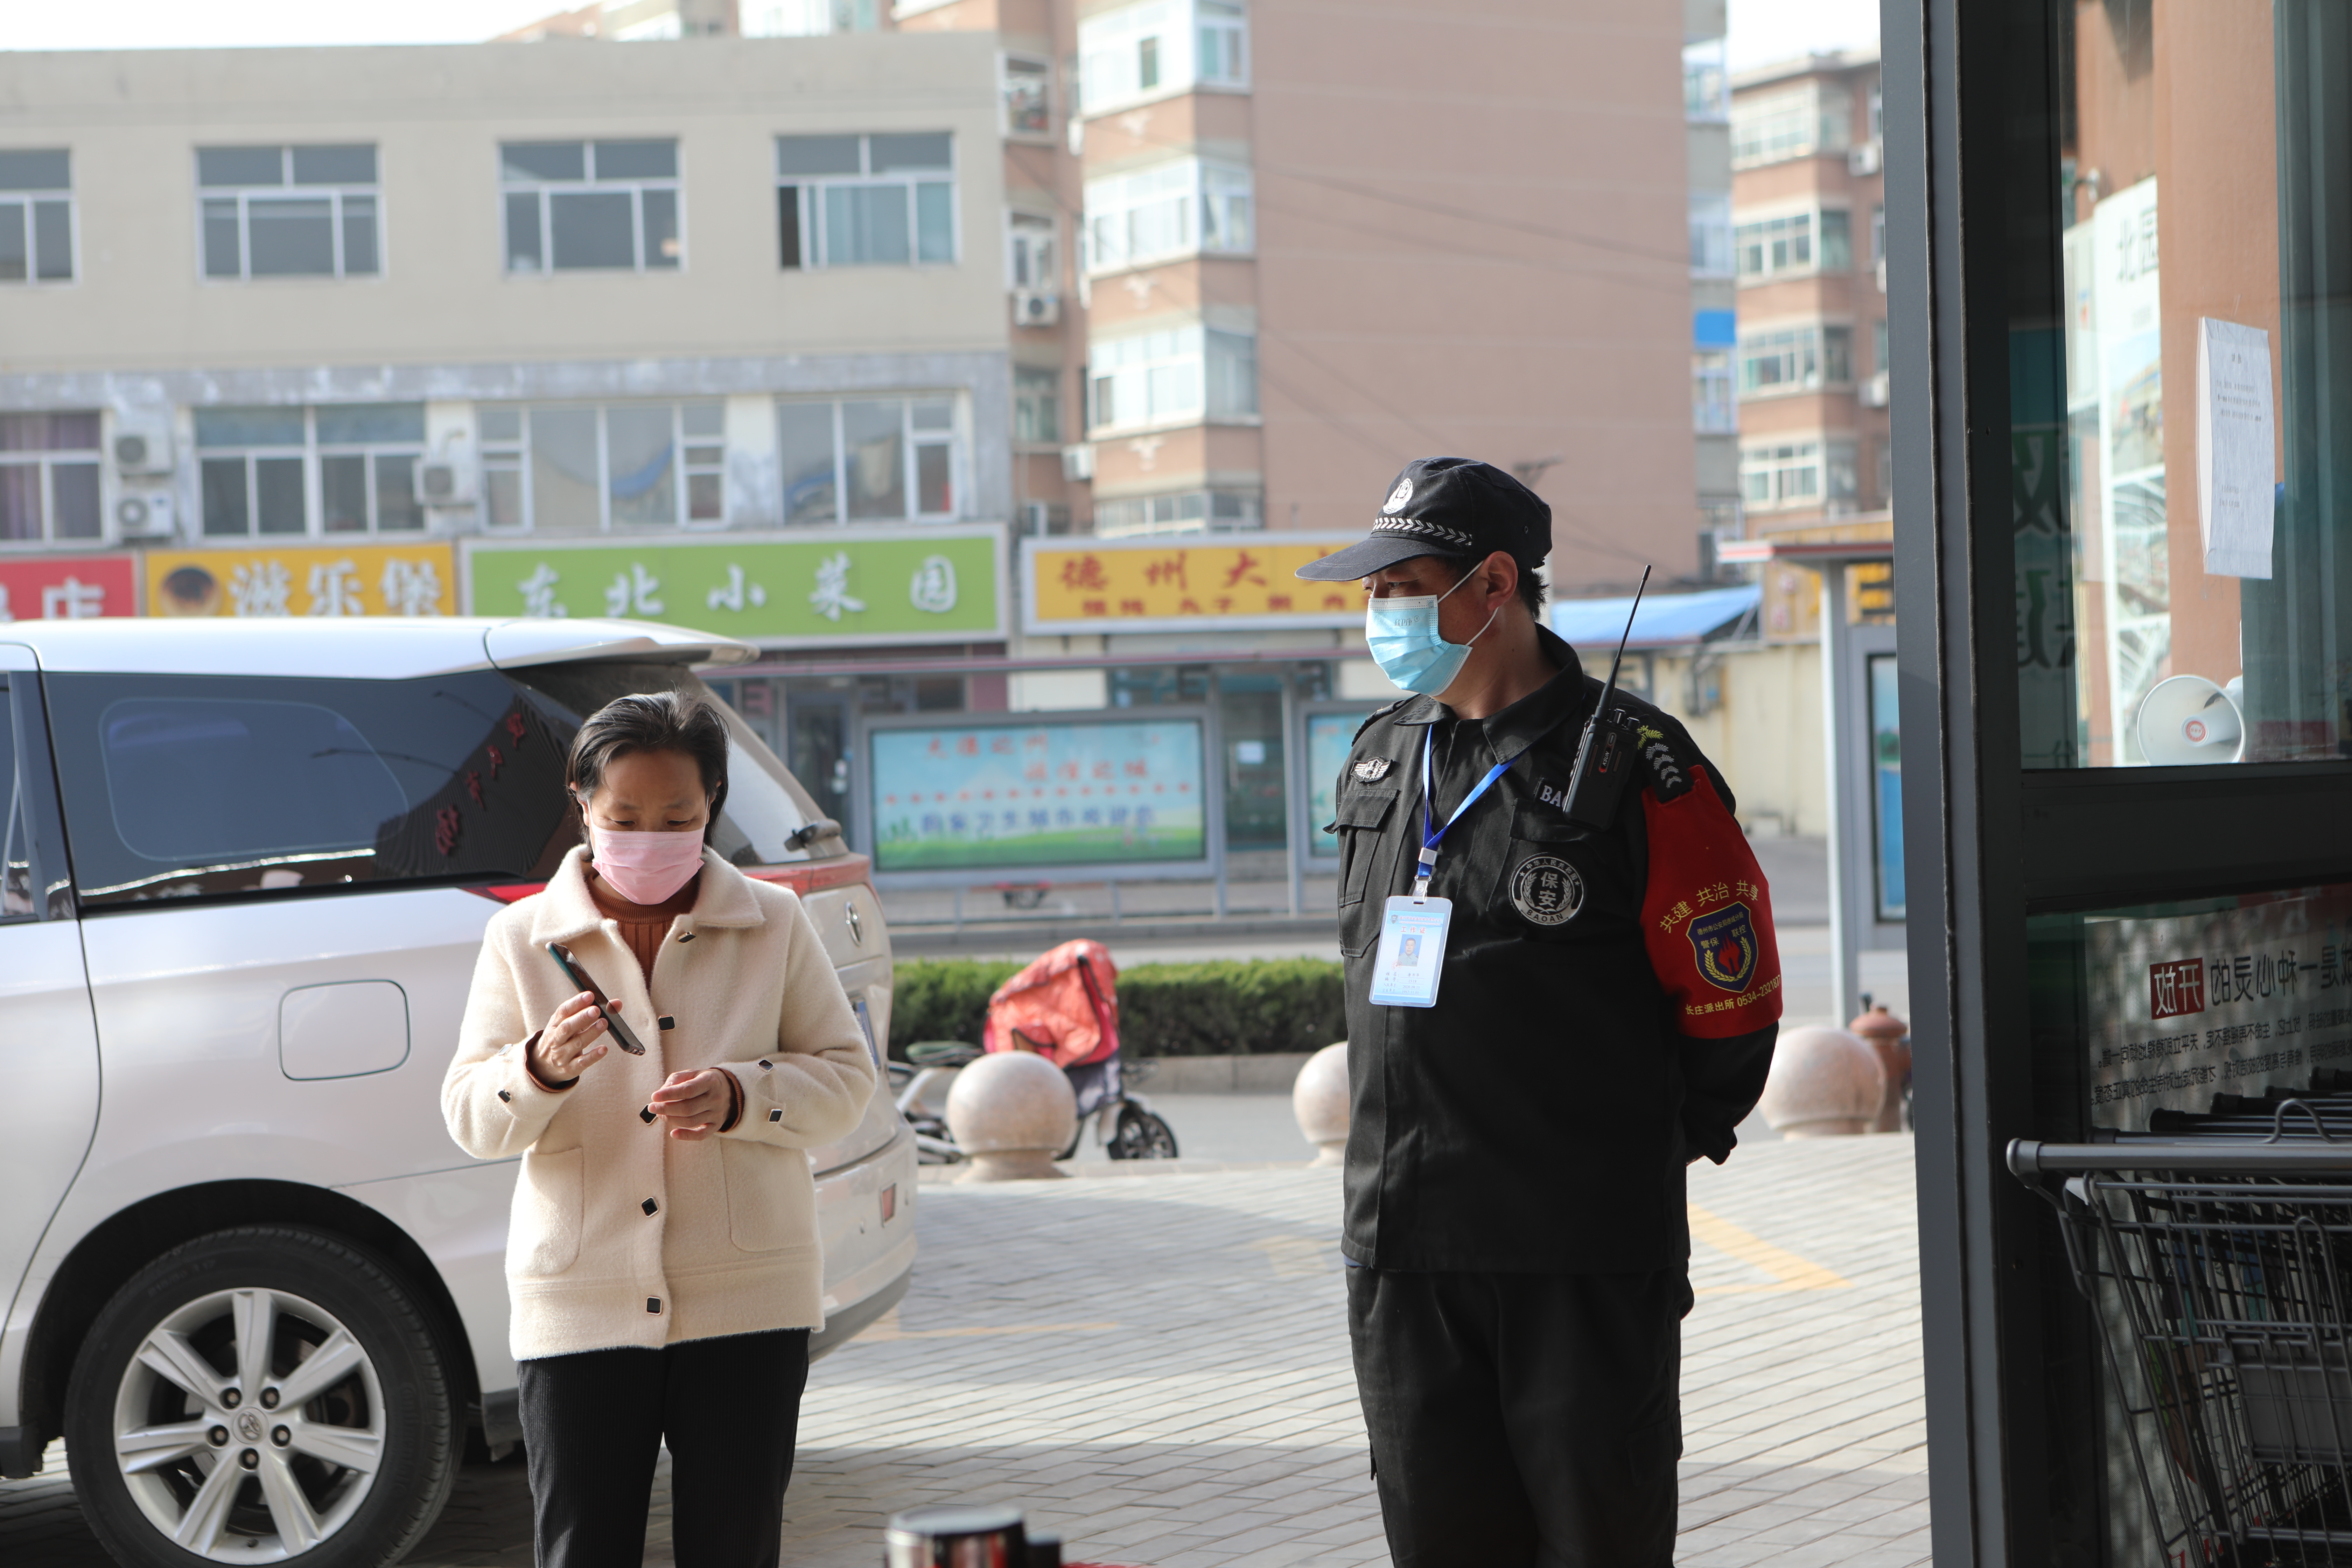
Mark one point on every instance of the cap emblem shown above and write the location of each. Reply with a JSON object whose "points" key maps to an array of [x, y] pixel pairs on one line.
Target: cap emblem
{"points": [[1399, 495]]}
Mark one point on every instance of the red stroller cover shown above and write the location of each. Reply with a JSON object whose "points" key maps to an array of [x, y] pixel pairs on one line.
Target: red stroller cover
{"points": [[1066, 1002]]}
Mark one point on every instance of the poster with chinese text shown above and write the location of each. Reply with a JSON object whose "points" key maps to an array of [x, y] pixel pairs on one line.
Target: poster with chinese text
{"points": [[417, 579], [68, 587]]}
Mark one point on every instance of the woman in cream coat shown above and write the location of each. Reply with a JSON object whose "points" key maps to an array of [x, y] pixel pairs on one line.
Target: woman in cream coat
{"points": [[663, 1261]]}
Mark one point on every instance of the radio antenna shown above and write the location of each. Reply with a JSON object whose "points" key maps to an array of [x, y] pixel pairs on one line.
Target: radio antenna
{"points": [[1601, 757], [1618, 663]]}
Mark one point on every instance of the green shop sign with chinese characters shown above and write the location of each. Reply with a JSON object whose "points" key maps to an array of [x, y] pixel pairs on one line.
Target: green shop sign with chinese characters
{"points": [[819, 587]]}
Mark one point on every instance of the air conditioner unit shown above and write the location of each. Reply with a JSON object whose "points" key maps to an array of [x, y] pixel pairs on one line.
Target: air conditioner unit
{"points": [[1863, 160], [1077, 462], [145, 514], [142, 443], [1874, 390], [1035, 308], [441, 483]]}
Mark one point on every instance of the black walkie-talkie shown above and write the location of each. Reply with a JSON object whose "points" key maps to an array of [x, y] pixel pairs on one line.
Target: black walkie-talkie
{"points": [[1605, 756]]}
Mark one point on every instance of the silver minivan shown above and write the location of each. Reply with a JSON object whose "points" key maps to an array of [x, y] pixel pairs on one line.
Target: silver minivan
{"points": [[244, 866]]}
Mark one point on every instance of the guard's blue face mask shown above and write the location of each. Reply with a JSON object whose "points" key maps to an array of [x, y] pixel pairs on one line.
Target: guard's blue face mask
{"points": [[1403, 639]]}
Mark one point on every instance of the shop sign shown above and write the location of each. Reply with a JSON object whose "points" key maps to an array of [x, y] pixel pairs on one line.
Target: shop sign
{"points": [[1234, 582], [822, 586], [417, 579], [68, 587], [1022, 797], [2187, 1008]]}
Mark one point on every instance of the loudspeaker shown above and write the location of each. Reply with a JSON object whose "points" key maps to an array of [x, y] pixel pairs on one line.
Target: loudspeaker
{"points": [[2188, 719]]}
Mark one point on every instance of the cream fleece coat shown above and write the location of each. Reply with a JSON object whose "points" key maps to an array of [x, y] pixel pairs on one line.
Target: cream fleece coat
{"points": [[621, 1235]]}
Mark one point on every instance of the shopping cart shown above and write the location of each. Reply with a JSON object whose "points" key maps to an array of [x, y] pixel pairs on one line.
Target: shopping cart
{"points": [[2221, 1274]]}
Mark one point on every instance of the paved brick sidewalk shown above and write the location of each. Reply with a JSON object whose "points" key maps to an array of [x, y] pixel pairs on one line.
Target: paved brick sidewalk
{"points": [[1159, 1367]]}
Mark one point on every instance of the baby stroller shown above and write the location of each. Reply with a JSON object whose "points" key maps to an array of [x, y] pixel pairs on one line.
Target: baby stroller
{"points": [[1065, 1008]]}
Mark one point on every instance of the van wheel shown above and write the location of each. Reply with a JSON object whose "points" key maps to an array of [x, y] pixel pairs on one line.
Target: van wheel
{"points": [[260, 1394]]}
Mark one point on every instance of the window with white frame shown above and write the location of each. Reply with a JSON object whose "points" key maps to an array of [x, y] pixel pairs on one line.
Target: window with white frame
{"points": [[1187, 511], [588, 207], [1794, 242], [1037, 404], [1878, 344], [1026, 84], [1714, 410], [866, 201], [1794, 123], [36, 216], [1707, 82], [579, 467], [1797, 473], [1179, 376], [870, 459], [1183, 207], [1877, 233], [1029, 261], [811, 18], [288, 212], [1795, 359], [1135, 53], [48, 477], [335, 468], [1710, 234]]}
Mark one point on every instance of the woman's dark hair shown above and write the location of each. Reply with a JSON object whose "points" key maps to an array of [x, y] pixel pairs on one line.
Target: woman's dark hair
{"points": [[653, 722]]}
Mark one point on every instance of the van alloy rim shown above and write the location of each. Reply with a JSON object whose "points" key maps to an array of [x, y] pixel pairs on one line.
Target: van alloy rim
{"points": [[249, 1427]]}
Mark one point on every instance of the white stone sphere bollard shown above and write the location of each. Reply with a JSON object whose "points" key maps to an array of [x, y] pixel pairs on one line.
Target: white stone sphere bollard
{"points": [[1825, 1083], [1318, 1098], [1012, 1111]]}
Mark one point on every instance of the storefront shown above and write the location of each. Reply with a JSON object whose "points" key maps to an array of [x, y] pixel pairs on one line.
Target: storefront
{"points": [[2119, 277]]}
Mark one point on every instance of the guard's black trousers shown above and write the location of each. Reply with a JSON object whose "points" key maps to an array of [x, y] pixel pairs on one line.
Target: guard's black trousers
{"points": [[1522, 1418], [592, 1425]]}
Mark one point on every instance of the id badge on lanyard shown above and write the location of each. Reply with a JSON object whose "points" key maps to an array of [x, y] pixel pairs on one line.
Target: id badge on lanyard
{"points": [[1410, 958]]}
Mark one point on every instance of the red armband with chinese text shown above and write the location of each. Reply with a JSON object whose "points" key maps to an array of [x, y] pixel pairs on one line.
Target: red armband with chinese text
{"points": [[1707, 916]]}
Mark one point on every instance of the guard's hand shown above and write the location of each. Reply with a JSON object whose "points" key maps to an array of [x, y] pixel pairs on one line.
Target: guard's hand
{"points": [[694, 1102], [572, 1042]]}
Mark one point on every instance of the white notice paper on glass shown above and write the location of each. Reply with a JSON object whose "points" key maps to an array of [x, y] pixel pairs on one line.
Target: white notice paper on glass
{"points": [[2237, 468]]}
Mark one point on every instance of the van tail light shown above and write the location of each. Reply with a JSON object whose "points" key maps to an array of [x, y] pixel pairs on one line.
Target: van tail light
{"points": [[508, 892], [803, 877]]}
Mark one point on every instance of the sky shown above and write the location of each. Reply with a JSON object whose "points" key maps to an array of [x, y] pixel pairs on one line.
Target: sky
{"points": [[1761, 30]]}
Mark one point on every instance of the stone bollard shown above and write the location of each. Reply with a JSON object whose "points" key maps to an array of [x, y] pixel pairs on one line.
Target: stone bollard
{"points": [[1318, 1098], [1890, 1037], [1825, 1083], [1012, 1111]]}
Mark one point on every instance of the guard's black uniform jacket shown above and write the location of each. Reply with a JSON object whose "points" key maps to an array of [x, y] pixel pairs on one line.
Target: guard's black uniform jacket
{"points": [[1607, 1007]]}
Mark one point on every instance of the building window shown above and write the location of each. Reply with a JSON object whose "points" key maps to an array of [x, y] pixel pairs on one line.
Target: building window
{"points": [[808, 18], [866, 201], [1029, 260], [36, 216], [1796, 358], [1161, 47], [1037, 404], [1706, 83], [1178, 376], [1192, 512], [586, 468], [49, 477], [1877, 233], [1795, 242], [288, 212], [870, 459], [1796, 123], [1172, 209], [1710, 234], [1878, 344], [1882, 452], [333, 469], [585, 207], [1714, 411], [1026, 85], [1797, 473]]}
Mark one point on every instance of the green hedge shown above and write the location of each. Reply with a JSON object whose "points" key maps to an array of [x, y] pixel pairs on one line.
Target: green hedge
{"points": [[1228, 1007]]}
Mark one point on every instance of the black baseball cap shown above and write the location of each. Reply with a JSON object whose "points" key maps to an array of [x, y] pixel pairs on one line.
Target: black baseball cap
{"points": [[1446, 506]]}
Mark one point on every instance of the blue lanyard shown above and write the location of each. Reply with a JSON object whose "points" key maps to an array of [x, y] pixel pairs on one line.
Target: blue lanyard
{"points": [[1431, 835]]}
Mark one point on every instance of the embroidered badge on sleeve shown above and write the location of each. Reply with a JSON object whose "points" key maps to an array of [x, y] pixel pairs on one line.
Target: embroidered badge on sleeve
{"points": [[1706, 918]]}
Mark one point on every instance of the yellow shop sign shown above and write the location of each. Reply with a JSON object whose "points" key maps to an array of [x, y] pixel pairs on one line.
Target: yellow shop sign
{"points": [[418, 579], [1235, 583]]}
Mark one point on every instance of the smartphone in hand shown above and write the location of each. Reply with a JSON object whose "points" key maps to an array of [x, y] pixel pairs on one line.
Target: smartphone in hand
{"points": [[623, 1036]]}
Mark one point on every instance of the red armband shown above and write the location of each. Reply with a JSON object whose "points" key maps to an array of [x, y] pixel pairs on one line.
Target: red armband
{"points": [[1706, 918]]}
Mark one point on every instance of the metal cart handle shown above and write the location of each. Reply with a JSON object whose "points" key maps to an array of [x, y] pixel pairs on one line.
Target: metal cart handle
{"points": [[2030, 1158]]}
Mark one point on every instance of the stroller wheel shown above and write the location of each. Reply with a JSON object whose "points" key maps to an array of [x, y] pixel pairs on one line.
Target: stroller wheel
{"points": [[1141, 1136]]}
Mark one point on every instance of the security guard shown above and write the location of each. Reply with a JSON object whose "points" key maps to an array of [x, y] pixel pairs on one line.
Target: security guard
{"points": [[1558, 997]]}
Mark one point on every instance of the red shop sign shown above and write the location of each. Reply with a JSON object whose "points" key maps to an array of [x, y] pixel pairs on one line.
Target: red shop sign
{"points": [[66, 587]]}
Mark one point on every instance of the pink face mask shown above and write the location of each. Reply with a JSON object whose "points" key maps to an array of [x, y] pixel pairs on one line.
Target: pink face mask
{"points": [[646, 867]]}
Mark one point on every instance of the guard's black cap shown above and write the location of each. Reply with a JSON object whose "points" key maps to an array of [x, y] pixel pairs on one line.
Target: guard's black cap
{"points": [[1446, 506]]}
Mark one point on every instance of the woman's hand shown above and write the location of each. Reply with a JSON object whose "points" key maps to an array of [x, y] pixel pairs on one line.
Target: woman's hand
{"points": [[571, 1044], [694, 1102]]}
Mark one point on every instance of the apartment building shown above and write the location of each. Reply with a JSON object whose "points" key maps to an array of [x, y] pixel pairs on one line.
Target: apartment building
{"points": [[1715, 410]]}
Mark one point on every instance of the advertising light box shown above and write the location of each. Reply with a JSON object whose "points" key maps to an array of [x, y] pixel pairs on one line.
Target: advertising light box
{"points": [[1024, 798]]}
